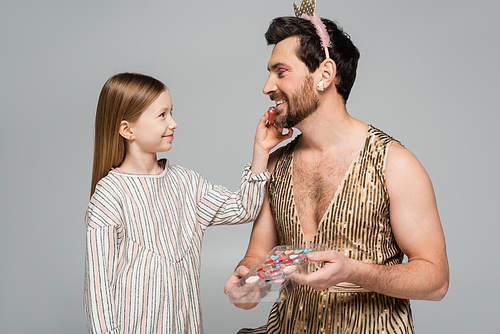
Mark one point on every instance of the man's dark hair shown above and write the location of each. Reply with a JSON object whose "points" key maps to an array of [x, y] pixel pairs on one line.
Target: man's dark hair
{"points": [[343, 52]]}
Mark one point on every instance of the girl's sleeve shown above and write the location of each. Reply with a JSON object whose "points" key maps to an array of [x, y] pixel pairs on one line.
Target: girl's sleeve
{"points": [[218, 206], [102, 221]]}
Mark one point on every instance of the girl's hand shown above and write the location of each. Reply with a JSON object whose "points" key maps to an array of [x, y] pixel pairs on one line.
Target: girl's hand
{"points": [[268, 135]]}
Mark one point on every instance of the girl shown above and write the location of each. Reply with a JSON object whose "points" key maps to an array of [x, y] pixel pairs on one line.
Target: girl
{"points": [[146, 218]]}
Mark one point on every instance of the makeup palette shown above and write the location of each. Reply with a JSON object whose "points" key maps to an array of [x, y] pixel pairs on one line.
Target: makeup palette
{"points": [[269, 280]]}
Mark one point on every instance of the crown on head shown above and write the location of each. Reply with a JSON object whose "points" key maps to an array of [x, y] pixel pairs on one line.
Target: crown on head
{"points": [[307, 7], [307, 11]]}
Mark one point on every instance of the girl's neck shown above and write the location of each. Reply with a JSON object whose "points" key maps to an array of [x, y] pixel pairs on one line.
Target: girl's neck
{"points": [[144, 165]]}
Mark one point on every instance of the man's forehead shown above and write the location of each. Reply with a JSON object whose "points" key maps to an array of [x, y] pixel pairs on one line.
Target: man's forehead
{"points": [[284, 53]]}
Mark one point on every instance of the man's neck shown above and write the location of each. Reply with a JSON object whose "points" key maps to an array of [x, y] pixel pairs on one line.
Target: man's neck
{"points": [[330, 128]]}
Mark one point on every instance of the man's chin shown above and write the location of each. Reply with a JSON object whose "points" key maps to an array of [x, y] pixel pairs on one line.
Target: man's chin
{"points": [[282, 124], [288, 122]]}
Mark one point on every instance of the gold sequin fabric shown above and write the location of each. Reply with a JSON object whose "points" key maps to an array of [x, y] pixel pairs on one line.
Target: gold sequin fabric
{"points": [[356, 224]]}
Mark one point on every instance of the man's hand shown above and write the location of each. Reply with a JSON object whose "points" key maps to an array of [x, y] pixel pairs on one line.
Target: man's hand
{"points": [[247, 298], [334, 271]]}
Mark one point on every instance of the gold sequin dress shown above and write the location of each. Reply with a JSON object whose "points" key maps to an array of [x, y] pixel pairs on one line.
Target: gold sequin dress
{"points": [[355, 224]]}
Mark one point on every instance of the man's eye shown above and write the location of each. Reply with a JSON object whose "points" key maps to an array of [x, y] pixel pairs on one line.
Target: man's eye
{"points": [[281, 71]]}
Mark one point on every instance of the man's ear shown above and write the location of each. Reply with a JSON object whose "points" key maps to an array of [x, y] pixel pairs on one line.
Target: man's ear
{"points": [[328, 72], [126, 130]]}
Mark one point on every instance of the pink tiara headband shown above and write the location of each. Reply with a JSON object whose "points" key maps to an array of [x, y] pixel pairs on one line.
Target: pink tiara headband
{"points": [[307, 11]]}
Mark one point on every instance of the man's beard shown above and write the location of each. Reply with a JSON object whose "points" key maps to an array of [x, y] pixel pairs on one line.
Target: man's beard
{"points": [[303, 103]]}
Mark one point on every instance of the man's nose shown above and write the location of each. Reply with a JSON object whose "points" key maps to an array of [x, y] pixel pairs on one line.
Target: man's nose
{"points": [[269, 87]]}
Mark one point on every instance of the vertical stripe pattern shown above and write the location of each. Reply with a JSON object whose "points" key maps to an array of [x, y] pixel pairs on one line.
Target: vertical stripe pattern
{"points": [[357, 225], [144, 235]]}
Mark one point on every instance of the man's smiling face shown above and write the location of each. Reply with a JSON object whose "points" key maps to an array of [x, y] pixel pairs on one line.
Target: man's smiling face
{"points": [[290, 85]]}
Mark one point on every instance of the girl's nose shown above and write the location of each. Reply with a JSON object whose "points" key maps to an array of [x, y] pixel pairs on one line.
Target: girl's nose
{"points": [[173, 125]]}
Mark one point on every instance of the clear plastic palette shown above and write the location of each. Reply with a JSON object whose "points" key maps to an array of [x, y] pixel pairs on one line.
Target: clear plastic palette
{"points": [[269, 280]]}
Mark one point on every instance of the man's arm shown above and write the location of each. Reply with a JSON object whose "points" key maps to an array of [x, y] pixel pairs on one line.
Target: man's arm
{"points": [[417, 229], [263, 238]]}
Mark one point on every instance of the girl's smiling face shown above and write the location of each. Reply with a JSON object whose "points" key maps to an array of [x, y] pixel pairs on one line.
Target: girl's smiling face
{"points": [[154, 130]]}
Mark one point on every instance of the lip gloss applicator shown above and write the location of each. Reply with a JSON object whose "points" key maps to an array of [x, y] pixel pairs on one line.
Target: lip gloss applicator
{"points": [[272, 112]]}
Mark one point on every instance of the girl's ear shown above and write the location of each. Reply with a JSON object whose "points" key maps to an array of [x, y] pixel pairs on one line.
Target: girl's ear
{"points": [[329, 71], [126, 131]]}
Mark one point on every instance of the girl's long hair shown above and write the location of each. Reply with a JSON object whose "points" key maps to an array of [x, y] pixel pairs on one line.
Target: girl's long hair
{"points": [[123, 98]]}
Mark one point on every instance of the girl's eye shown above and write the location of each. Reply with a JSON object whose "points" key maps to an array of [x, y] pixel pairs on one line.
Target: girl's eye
{"points": [[162, 114]]}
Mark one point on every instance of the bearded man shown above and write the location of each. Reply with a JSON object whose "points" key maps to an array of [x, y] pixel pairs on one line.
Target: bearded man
{"points": [[348, 185]]}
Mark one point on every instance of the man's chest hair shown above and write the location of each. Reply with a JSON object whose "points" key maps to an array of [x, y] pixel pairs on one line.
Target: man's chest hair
{"points": [[315, 182]]}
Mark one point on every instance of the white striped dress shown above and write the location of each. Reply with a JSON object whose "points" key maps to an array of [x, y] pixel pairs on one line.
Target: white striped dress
{"points": [[144, 234]]}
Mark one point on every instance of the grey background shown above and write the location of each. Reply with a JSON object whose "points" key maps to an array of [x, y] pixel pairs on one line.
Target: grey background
{"points": [[427, 76]]}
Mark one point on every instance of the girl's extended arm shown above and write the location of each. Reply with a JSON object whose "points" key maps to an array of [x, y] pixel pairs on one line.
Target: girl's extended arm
{"points": [[218, 206]]}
